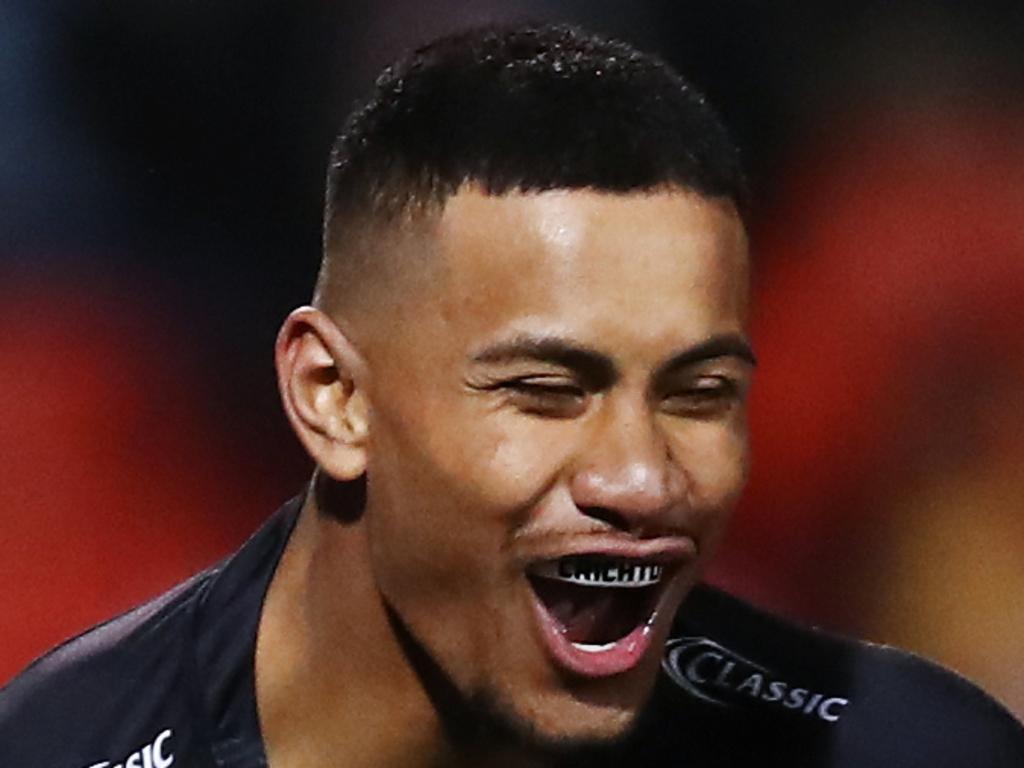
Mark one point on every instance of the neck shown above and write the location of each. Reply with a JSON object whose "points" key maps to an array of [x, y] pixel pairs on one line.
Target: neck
{"points": [[335, 683]]}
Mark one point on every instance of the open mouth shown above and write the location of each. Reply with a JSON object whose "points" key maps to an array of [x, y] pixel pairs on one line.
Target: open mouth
{"points": [[596, 610]]}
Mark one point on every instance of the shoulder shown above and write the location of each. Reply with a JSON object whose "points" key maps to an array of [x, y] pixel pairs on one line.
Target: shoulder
{"points": [[170, 682], [121, 688], [758, 687]]}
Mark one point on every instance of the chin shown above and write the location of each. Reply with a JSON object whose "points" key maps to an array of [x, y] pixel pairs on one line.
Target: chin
{"points": [[585, 725], [580, 716], [560, 733]]}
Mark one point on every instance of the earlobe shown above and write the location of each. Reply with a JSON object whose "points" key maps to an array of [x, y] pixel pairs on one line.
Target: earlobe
{"points": [[322, 377]]}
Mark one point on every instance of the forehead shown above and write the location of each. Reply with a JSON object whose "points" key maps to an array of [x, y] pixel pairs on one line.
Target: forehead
{"points": [[593, 264]]}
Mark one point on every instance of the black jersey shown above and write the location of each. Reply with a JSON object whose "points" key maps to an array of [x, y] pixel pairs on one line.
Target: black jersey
{"points": [[172, 684]]}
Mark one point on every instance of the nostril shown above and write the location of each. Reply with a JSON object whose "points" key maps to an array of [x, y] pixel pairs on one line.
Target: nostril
{"points": [[610, 516]]}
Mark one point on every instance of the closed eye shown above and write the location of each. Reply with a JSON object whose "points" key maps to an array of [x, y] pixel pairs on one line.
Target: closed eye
{"points": [[543, 396], [704, 397]]}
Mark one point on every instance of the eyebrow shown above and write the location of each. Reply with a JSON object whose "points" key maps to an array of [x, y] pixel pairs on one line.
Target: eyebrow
{"points": [[598, 366], [721, 345], [589, 362]]}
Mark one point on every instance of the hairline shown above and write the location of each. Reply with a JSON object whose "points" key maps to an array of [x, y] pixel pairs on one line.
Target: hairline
{"points": [[426, 212]]}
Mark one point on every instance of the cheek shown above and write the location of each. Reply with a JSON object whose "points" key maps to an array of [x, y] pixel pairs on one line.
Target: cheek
{"points": [[716, 459], [433, 557], [497, 464], [439, 525], [446, 496], [522, 459], [716, 462]]}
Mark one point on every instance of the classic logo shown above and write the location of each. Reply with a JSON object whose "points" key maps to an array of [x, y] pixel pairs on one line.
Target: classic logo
{"points": [[153, 755], [717, 675]]}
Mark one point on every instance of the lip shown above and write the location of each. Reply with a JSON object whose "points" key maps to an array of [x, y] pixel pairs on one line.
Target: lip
{"points": [[665, 551], [627, 652]]}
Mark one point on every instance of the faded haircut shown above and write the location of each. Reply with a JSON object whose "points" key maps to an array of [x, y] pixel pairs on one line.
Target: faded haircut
{"points": [[522, 109]]}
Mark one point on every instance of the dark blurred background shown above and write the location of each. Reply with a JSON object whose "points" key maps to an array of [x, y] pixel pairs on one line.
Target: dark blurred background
{"points": [[160, 181]]}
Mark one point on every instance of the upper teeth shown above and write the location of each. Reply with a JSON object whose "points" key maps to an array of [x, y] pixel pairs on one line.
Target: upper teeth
{"points": [[600, 571]]}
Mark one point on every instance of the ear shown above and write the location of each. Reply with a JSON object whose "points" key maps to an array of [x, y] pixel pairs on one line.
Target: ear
{"points": [[322, 378]]}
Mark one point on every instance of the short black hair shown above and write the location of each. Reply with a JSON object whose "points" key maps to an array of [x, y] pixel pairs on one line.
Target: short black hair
{"points": [[527, 108]]}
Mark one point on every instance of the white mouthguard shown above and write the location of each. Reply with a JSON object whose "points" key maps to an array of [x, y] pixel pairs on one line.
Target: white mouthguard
{"points": [[591, 571]]}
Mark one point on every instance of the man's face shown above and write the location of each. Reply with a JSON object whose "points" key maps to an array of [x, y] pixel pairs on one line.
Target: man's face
{"points": [[557, 436]]}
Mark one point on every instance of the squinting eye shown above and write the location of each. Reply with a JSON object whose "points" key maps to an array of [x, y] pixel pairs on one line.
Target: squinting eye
{"points": [[705, 397], [549, 398]]}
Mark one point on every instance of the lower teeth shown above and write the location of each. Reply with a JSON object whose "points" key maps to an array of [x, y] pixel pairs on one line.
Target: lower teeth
{"points": [[594, 648]]}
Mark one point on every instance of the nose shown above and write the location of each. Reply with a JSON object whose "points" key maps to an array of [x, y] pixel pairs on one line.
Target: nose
{"points": [[626, 475]]}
